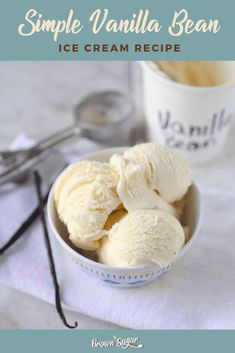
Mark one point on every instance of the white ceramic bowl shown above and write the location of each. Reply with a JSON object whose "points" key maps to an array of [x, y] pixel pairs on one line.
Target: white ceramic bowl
{"points": [[115, 276]]}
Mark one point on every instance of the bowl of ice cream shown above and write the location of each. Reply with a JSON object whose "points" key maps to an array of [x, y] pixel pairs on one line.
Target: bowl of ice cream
{"points": [[126, 215]]}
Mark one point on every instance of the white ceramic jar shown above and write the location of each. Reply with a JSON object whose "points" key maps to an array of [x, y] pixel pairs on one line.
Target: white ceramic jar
{"points": [[194, 120]]}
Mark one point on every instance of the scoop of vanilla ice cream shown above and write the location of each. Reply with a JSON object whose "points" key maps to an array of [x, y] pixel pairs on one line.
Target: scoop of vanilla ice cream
{"points": [[133, 188], [141, 237], [165, 170], [85, 195]]}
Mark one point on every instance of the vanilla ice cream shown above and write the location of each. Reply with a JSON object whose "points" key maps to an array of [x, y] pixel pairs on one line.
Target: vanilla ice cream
{"points": [[141, 237], [165, 170], [85, 195], [195, 73], [127, 209], [133, 187]]}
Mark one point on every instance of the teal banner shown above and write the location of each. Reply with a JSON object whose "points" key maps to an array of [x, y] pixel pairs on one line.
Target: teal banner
{"points": [[117, 30], [85, 341]]}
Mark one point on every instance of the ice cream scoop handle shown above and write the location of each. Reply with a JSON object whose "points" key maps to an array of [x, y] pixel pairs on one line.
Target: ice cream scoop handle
{"points": [[58, 138], [26, 159]]}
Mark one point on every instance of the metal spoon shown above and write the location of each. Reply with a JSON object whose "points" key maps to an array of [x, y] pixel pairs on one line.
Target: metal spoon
{"points": [[103, 117]]}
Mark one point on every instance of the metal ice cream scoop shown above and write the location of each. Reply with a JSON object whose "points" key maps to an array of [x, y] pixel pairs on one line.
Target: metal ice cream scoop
{"points": [[104, 117]]}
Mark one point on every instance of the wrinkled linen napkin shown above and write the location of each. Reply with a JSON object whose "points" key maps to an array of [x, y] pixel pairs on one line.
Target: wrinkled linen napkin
{"points": [[198, 292]]}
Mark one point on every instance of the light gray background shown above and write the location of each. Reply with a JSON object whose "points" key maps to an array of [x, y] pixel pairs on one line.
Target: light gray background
{"points": [[37, 98]]}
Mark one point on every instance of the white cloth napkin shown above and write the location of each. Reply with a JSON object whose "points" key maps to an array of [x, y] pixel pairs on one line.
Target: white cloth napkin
{"points": [[198, 293]]}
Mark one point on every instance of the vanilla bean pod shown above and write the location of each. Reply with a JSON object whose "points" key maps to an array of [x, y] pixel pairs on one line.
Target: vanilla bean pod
{"points": [[37, 180], [24, 226]]}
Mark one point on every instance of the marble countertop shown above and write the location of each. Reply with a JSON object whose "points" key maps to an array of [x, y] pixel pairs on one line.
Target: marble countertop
{"points": [[34, 98]]}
